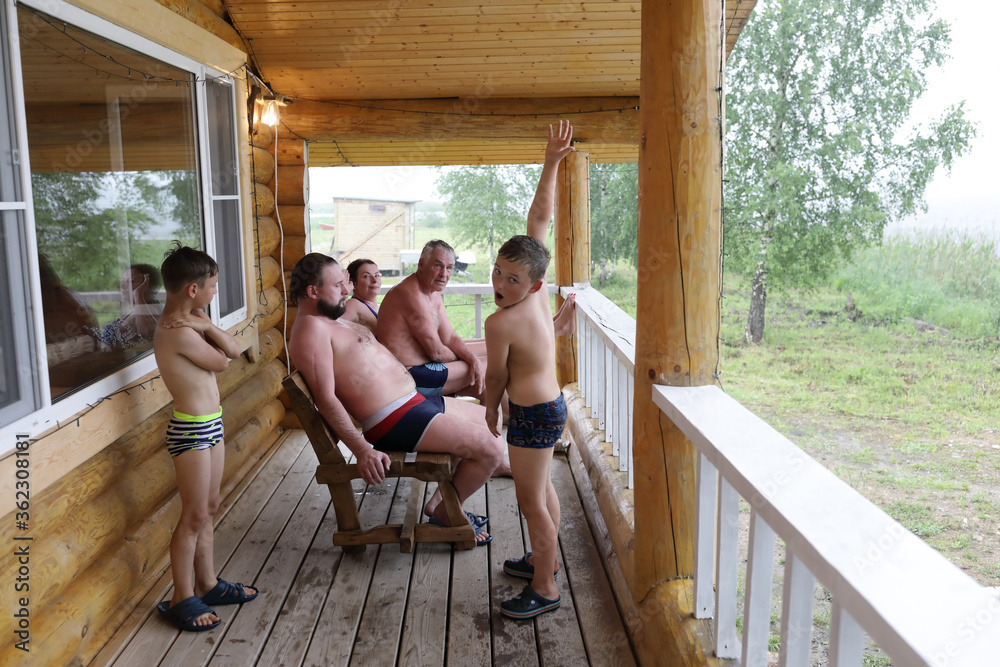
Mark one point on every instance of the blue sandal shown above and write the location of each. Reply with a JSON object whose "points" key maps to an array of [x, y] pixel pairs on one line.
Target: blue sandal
{"points": [[528, 604], [478, 529], [184, 613], [228, 593]]}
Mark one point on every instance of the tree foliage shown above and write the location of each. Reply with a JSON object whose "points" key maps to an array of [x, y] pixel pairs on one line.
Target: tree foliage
{"points": [[487, 204], [820, 152], [614, 213]]}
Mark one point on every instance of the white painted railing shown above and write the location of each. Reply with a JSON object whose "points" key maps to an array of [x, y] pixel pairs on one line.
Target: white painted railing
{"points": [[605, 354], [885, 582]]}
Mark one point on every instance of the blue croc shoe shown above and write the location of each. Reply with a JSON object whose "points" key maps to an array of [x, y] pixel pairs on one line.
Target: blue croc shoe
{"points": [[527, 604]]}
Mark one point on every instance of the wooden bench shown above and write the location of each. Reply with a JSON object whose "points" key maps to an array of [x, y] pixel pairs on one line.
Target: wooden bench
{"points": [[337, 474]]}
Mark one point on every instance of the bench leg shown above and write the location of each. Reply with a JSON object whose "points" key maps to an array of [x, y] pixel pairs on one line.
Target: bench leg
{"points": [[453, 509]]}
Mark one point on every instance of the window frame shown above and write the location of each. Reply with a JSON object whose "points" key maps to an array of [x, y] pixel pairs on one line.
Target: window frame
{"points": [[49, 414]]}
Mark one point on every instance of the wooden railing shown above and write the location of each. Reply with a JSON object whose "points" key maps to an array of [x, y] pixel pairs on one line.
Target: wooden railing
{"points": [[605, 352], [884, 581]]}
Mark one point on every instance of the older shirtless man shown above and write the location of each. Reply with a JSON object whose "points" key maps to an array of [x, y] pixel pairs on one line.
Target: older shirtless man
{"points": [[413, 325], [350, 373]]}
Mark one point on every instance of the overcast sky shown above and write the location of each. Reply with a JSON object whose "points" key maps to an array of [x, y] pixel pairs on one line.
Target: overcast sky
{"points": [[969, 197]]}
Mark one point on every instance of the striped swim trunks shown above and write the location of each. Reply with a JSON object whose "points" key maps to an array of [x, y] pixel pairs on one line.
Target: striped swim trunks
{"points": [[186, 433]]}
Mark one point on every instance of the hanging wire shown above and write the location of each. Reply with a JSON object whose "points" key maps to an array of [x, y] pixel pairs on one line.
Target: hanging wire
{"points": [[64, 29]]}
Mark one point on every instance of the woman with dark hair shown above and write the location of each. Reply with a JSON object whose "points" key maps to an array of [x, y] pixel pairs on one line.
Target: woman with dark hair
{"points": [[138, 287], [366, 280]]}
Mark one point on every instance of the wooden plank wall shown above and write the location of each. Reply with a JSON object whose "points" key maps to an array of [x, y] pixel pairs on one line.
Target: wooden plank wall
{"points": [[103, 495], [378, 235]]}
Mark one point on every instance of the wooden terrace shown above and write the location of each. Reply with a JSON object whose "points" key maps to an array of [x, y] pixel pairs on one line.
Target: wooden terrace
{"points": [[434, 606]]}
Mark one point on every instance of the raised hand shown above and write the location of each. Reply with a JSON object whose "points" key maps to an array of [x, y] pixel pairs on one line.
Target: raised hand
{"points": [[559, 143]]}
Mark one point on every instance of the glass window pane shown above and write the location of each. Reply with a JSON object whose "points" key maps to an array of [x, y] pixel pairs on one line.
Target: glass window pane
{"points": [[18, 377], [222, 138], [10, 190], [230, 256], [112, 142]]}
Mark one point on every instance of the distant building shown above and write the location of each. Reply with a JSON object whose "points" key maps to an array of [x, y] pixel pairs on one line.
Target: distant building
{"points": [[377, 229]]}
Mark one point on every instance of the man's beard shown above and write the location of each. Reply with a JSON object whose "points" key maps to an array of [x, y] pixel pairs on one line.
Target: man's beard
{"points": [[331, 310]]}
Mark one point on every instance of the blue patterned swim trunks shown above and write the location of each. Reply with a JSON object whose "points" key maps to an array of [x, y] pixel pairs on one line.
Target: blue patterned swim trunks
{"points": [[537, 426]]}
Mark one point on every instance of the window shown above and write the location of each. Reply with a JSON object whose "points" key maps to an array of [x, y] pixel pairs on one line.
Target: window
{"points": [[117, 173], [17, 392]]}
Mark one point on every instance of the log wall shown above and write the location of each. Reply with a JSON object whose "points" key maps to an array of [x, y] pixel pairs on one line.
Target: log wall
{"points": [[103, 492]]}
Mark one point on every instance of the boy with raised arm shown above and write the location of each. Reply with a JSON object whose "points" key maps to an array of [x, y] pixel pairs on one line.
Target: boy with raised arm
{"points": [[520, 352], [190, 350]]}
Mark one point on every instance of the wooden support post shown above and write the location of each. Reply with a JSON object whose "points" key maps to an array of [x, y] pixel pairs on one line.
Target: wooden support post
{"points": [[572, 252], [680, 186]]}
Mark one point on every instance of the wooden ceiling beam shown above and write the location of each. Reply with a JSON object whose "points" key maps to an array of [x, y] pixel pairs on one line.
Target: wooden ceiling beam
{"points": [[602, 119]]}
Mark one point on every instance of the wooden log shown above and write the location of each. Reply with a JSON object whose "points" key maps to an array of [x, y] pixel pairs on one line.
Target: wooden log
{"points": [[292, 150], [72, 540], [262, 137], [572, 237], [65, 629], [291, 185], [271, 308], [270, 272], [670, 634], [267, 237], [295, 249], [263, 164], [294, 219], [263, 200], [203, 17], [217, 7], [679, 240], [448, 119]]}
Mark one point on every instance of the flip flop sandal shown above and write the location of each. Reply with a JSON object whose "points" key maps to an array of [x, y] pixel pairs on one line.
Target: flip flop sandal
{"points": [[477, 520], [528, 605], [227, 593], [520, 567], [184, 613]]}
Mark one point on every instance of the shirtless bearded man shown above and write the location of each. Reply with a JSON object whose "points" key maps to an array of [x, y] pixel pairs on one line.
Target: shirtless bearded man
{"points": [[350, 373]]}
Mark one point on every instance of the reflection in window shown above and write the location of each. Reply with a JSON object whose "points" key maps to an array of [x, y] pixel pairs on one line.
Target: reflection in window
{"points": [[112, 144]]}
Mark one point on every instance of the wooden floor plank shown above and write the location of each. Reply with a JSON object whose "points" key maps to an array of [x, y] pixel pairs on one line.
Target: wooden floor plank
{"points": [[426, 618], [559, 639], [599, 620], [249, 630], [156, 636], [377, 641], [146, 606], [291, 634], [432, 607], [247, 558], [513, 641], [469, 639], [333, 640]]}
